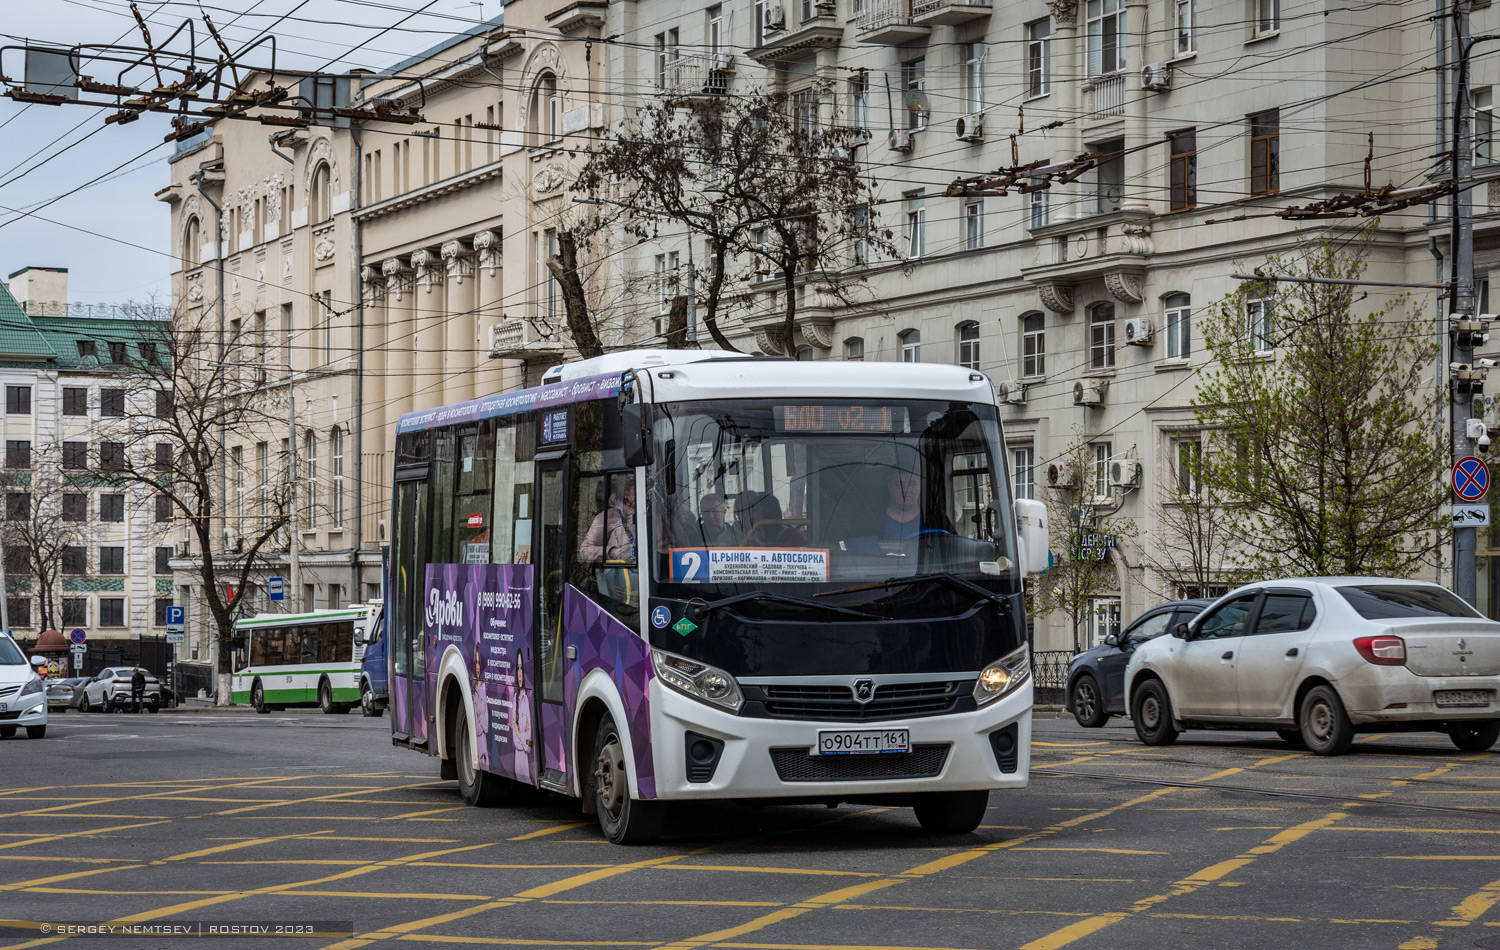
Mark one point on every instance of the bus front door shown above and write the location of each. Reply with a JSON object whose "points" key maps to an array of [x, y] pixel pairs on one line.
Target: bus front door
{"points": [[408, 679], [552, 579]]}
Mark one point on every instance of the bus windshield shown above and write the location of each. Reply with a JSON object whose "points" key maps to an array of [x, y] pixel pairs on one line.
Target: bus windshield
{"points": [[811, 497]]}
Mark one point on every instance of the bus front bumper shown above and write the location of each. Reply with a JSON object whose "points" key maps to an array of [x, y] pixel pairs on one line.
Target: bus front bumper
{"points": [[988, 748]]}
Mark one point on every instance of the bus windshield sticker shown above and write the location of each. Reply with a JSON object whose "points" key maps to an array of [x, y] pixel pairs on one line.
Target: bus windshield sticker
{"points": [[555, 426], [477, 553], [749, 565], [660, 617]]}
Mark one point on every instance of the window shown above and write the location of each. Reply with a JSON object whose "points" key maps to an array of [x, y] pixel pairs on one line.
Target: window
{"points": [[762, 24], [666, 288], [17, 559], [916, 226], [18, 453], [320, 200], [163, 513], [112, 456], [1187, 460], [974, 224], [805, 113], [1034, 345], [159, 611], [1039, 207], [1265, 153], [75, 401], [336, 450], [1103, 619], [85, 348], [973, 77], [111, 611], [1102, 452], [1039, 58], [854, 350], [666, 60], [163, 404], [1179, 326], [18, 611], [859, 101], [1023, 470], [1285, 613], [1182, 149], [911, 346], [552, 100], [1102, 336], [18, 399], [192, 242], [1484, 126], [1187, 13], [715, 32], [75, 611], [17, 506], [310, 469], [237, 463], [75, 560], [546, 248], [112, 402], [1109, 176], [75, 507], [862, 235], [111, 559], [1262, 328], [263, 469], [968, 345], [1267, 16], [112, 508], [1106, 37], [1227, 621], [914, 81], [163, 560], [163, 462], [117, 352], [325, 307], [75, 455]]}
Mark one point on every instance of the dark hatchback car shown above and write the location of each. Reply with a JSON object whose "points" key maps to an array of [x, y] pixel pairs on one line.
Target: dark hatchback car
{"points": [[1096, 678]]}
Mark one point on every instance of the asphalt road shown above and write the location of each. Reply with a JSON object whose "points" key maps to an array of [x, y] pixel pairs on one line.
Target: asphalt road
{"points": [[1230, 840]]}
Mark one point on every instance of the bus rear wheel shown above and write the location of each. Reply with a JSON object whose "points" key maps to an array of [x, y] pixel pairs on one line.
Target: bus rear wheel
{"points": [[951, 813], [258, 698], [479, 788], [325, 698], [624, 820]]}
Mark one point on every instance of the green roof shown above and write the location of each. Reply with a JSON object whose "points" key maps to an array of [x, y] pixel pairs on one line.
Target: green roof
{"points": [[64, 333], [19, 337]]}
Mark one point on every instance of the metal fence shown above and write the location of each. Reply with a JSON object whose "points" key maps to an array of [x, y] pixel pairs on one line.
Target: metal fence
{"points": [[153, 653], [1049, 674]]}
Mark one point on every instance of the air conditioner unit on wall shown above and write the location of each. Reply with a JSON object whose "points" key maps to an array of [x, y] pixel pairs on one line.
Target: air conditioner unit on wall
{"points": [[1089, 392], [775, 17], [1156, 77], [899, 140], [1125, 472], [1138, 331], [970, 128], [1061, 475], [1013, 392]]}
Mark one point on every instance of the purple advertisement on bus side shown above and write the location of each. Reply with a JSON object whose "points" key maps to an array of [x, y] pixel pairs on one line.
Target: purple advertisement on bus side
{"points": [[484, 611]]}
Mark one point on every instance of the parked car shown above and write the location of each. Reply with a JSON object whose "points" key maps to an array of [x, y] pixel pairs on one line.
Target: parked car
{"points": [[110, 691], [23, 698], [63, 695], [1320, 659], [1095, 687]]}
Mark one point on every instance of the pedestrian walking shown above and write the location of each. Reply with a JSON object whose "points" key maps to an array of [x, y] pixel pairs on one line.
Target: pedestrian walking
{"points": [[138, 688]]}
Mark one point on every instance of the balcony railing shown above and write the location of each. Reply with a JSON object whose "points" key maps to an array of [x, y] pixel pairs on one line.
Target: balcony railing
{"points": [[518, 339], [698, 74], [886, 21], [949, 12], [1104, 97]]}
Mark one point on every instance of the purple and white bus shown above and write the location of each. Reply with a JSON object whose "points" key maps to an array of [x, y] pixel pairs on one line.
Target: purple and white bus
{"points": [[666, 576]]}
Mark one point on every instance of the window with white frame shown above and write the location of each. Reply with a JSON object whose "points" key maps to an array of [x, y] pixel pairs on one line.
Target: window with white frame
{"points": [[973, 77], [1187, 14], [1039, 206], [1484, 125], [854, 350], [1102, 336], [237, 462], [1038, 58], [914, 81], [862, 235], [546, 248], [1103, 620], [1267, 16], [1178, 324], [761, 20], [666, 288], [974, 224], [310, 469], [968, 344], [1262, 328], [336, 495], [1034, 345], [1102, 453], [859, 101], [911, 346], [1106, 37], [667, 51], [1023, 472], [715, 32], [1187, 463], [916, 226], [805, 112]]}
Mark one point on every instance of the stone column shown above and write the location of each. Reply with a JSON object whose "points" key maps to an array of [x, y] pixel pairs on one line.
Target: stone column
{"points": [[428, 320], [378, 423], [1068, 70], [459, 330], [490, 299], [397, 341], [1136, 188]]}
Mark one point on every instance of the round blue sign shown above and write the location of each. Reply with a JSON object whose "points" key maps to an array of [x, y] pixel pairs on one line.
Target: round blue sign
{"points": [[1471, 478], [77, 636], [660, 617]]}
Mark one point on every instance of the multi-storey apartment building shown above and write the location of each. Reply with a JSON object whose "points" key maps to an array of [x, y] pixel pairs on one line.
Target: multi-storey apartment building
{"points": [[68, 401]]}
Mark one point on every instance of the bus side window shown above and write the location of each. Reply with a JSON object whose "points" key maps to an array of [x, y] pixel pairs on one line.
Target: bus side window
{"points": [[605, 552]]}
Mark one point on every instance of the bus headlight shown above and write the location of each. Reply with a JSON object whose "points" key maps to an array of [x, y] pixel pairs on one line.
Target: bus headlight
{"points": [[1003, 676], [702, 682]]}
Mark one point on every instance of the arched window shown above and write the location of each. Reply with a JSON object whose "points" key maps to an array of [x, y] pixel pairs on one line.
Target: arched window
{"points": [[544, 119], [336, 496], [805, 354], [854, 349], [310, 468], [1178, 324], [192, 242], [1034, 345], [1102, 336], [321, 197], [911, 346], [968, 344]]}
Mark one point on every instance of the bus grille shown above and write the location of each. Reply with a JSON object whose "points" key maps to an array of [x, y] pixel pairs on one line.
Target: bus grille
{"points": [[835, 702], [925, 760]]}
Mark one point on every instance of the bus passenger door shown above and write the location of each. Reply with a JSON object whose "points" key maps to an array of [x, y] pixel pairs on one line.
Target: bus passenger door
{"points": [[408, 680], [551, 660]]}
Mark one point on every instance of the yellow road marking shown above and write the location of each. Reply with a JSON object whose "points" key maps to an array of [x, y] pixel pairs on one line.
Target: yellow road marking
{"points": [[77, 834], [767, 870], [1465, 912], [518, 942], [419, 814], [565, 826], [56, 878], [827, 946], [1096, 850], [399, 895], [667, 903], [318, 798]]}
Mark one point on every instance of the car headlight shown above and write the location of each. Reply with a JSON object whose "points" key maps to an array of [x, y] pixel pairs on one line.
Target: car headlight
{"points": [[705, 683], [1003, 676], [33, 685]]}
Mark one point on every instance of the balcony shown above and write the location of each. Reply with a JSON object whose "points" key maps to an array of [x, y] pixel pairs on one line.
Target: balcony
{"points": [[1112, 247], [948, 13], [519, 340], [888, 22], [698, 74], [802, 41], [1103, 97]]}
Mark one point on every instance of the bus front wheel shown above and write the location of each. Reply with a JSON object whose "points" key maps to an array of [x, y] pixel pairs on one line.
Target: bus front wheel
{"points": [[479, 788], [624, 820], [367, 704], [951, 813]]}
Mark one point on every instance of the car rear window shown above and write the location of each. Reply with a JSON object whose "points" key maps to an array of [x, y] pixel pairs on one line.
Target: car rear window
{"points": [[10, 654], [1380, 602]]}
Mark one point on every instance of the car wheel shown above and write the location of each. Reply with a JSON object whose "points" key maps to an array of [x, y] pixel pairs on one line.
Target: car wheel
{"points": [[478, 788], [7, 732], [325, 698], [83, 704], [1475, 736], [36, 732], [258, 698], [1290, 736], [367, 705], [1326, 728], [624, 820], [1088, 703], [951, 813], [1151, 711]]}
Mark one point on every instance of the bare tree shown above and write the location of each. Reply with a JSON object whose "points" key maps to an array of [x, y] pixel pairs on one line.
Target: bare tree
{"points": [[775, 194], [36, 530], [1194, 539]]}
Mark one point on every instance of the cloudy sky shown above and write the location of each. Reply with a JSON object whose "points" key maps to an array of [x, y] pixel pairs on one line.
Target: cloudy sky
{"points": [[112, 235]]}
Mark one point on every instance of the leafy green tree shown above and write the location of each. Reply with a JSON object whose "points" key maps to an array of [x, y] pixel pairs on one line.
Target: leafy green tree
{"points": [[1320, 424]]}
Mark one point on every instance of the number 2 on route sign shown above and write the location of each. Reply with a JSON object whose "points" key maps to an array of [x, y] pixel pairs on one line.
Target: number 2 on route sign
{"points": [[1471, 478]]}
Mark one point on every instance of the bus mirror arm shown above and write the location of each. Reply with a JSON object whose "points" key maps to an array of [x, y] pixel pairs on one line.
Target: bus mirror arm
{"points": [[635, 433]]}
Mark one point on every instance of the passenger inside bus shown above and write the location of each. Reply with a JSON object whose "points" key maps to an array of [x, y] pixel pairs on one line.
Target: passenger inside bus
{"points": [[758, 515]]}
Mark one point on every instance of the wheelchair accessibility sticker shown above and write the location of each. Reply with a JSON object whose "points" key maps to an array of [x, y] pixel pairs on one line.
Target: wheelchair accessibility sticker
{"points": [[741, 565], [660, 617]]}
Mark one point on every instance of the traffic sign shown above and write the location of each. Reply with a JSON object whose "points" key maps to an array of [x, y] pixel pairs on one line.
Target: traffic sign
{"points": [[176, 620], [1471, 478], [78, 636], [1471, 516], [276, 586], [78, 649], [176, 638], [77, 661]]}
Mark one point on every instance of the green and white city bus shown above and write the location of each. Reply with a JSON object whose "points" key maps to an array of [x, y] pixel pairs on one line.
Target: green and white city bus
{"points": [[309, 659]]}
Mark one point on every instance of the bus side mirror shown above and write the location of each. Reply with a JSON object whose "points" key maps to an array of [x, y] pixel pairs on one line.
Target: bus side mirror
{"points": [[635, 435], [1031, 535]]}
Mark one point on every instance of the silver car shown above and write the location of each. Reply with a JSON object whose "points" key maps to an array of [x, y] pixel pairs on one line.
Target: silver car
{"points": [[1319, 659]]}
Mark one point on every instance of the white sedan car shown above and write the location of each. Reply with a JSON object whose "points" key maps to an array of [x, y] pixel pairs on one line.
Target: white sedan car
{"points": [[1319, 659]]}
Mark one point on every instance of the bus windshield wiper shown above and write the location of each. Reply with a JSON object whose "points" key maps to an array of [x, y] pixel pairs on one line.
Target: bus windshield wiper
{"points": [[702, 608], [947, 577]]}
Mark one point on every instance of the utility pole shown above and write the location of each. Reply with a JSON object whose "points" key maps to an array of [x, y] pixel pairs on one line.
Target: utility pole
{"points": [[1465, 327], [292, 540]]}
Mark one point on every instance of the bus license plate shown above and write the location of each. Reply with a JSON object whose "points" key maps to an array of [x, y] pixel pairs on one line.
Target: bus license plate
{"points": [[1461, 697], [863, 741]]}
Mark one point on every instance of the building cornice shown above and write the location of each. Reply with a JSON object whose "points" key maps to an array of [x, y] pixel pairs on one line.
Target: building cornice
{"points": [[428, 192]]}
